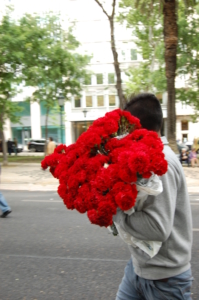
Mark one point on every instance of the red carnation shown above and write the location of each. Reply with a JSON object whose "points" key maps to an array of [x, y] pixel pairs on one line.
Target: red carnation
{"points": [[127, 176], [102, 181], [102, 216], [138, 134], [113, 173], [60, 149], [80, 205], [115, 114], [139, 162], [73, 182], [99, 122], [62, 190], [69, 201], [110, 126], [125, 195], [159, 165]]}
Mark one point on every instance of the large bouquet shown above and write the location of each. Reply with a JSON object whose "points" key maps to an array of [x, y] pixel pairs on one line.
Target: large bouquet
{"points": [[98, 173]]}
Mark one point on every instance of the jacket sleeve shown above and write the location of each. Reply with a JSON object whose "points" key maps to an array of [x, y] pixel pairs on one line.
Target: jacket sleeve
{"points": [[155, 221]]}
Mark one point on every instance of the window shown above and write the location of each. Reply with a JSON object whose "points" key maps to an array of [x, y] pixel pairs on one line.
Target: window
{"points": [[100, 100], [77, 102], [22, 134], [24, 108], [184, 125], [99, 78], [79, 128], [184, 138], [133, 54], [87, 80], [123, 55], [111, 78], [89, 101], [112, 101], [55, 132]]}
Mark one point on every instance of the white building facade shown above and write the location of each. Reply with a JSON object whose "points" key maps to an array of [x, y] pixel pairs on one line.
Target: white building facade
{"points": [[99, 95]]}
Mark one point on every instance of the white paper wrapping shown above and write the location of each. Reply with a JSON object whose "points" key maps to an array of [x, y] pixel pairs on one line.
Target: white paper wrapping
{"points": [[152, 186]]}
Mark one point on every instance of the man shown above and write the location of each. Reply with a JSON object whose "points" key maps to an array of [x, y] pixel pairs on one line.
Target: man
{"points": [[193, 157], [51, 146], [4, 206], [15, 144], [184, 156], [9, 145], [165, 218]]}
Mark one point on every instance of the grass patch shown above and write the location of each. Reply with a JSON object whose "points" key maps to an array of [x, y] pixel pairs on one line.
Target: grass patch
{"points": [[23, 159]]}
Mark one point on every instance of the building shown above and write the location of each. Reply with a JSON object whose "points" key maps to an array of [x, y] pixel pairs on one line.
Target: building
{"points": [[99, 93]]}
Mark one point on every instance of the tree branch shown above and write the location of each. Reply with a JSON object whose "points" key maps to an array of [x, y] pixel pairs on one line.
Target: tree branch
{"points": [[103, 8], [113, 11]]}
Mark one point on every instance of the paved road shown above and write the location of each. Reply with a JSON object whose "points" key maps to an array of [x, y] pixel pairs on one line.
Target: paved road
{"points": [[48, 252]]}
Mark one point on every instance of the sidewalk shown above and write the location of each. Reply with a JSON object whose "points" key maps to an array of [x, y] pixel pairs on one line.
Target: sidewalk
{"points": [[192, 178], [31, 177]]}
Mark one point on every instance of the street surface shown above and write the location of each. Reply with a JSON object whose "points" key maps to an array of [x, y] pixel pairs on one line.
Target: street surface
{"points": [[49, 252]]}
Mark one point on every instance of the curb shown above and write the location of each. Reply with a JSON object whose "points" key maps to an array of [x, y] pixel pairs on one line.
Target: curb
{"points": [[28, 187], [193, 189], [12, 164]]}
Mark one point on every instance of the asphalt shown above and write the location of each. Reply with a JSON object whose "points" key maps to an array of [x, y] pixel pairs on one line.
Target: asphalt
{"points": [[31, 177]]}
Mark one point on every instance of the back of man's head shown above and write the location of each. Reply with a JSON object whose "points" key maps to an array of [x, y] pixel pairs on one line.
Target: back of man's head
{"points": [[50, 139], [147, 108]]}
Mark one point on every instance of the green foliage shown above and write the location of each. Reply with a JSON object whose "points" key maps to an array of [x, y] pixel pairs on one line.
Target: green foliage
{"points": [[23, 159], [10, 61], [54, 67], [146, 20], [141, 79], [36, 50], [188, 57]]}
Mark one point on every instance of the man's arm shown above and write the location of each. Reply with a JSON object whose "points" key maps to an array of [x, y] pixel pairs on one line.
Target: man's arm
{"points": [[155, 221]]}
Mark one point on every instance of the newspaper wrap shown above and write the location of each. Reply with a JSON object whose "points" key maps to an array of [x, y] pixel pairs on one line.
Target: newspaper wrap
{"points": [[145, 187]]}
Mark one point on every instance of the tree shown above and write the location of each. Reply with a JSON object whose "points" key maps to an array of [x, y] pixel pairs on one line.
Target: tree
{"points": [[168, 9], [188, 57], [39, 53], [149, 75], [10, 73], [54, 66], [171, 42], [111, 19]]}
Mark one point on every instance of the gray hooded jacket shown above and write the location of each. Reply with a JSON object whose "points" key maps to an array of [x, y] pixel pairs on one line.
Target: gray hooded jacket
{"points": [[166, 218]]}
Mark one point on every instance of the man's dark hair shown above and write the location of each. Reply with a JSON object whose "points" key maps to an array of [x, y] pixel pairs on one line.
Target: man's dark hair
{"points": [[50, 138], [147, 108]]}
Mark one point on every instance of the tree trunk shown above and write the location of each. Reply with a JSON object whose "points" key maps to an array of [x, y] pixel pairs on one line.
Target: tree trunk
{"points": [[4, 146], [121, 96], [171, 42]]}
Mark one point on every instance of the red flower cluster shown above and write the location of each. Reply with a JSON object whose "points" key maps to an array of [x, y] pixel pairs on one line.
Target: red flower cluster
{"points": [[98, 173]]}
